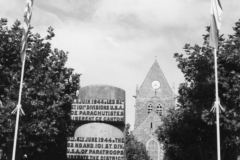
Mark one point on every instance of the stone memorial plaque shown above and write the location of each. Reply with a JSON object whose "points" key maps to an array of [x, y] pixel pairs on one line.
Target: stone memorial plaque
{"points": [[98, 110], [95, 148], [99, 116]]}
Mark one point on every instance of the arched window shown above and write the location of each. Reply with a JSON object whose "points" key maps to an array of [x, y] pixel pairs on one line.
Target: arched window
{"points": [[159, 109], [153, 149], [150, 107]]}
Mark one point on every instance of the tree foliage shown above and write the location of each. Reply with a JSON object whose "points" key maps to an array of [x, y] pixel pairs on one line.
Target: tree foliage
{"points": [[135, 150], [190, 132], [48, 90]]}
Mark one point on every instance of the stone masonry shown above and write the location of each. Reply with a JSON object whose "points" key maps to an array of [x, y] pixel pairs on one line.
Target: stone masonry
{"points": [[150, 105]]}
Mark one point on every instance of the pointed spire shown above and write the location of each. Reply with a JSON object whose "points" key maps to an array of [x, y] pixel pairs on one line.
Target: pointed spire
{"points": [[155, 74]]}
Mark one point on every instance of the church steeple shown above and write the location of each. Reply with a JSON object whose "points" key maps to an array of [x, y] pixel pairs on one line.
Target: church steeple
{"points": [[154, 90], [155, 74], [153, 99]]}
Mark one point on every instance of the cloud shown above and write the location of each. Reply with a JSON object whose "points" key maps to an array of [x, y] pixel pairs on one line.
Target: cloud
{"points": [[8, 12], [150, 14], [115, 41], [71, 9], [112, 41]]}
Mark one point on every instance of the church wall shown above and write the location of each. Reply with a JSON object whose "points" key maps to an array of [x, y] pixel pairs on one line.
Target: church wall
{"points": [[145, 130], [141, 110]]}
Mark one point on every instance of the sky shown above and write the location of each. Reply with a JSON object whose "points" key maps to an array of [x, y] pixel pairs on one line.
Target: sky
{"points": [[115, 42]]}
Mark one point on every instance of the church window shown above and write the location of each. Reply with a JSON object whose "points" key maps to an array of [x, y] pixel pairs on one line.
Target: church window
{"points": [[151, 125], [159, 109], [150, 107], [152, 149]]}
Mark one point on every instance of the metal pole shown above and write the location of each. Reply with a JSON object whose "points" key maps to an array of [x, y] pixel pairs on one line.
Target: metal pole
{"points": [[217, 105], [18, 107]]}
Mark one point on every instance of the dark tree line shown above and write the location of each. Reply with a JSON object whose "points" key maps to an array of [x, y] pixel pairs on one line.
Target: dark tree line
{"points": [[48, 89], [190, 131], [135, 150]]}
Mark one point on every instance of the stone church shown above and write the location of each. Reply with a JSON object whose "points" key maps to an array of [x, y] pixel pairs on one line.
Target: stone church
{"points": [[152, 100]]}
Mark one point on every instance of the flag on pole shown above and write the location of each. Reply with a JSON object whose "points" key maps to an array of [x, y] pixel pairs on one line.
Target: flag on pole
{"points": [[216, 11], [26, 24]]}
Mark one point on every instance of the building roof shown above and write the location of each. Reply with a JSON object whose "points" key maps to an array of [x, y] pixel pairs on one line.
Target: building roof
{"points": [[143, 130], [155, 74]]}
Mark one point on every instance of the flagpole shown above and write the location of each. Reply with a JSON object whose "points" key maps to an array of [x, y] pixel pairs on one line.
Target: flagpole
{"points": [[217, 105], [18, 108], [27, 18]]}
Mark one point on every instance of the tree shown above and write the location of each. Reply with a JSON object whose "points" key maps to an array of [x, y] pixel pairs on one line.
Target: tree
{"points": [[135, 150], [190, 132], [48, 90]]}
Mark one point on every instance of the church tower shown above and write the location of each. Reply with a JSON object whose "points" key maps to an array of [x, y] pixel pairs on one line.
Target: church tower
{"points": [[152, 100]]}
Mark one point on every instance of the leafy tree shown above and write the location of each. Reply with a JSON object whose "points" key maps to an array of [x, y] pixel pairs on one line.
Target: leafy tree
{"points": [[135, 150], [190, 131], [48, 90]]}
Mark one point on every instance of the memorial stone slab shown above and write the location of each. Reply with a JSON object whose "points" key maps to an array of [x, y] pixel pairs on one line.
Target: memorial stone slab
{"points": [[99, 116]]}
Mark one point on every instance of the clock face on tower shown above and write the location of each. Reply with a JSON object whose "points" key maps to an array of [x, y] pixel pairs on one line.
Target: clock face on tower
{"points": [[155, 84]]}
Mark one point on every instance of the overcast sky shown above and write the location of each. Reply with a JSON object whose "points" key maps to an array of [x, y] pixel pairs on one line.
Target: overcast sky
{"points": [[115, 42]]}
